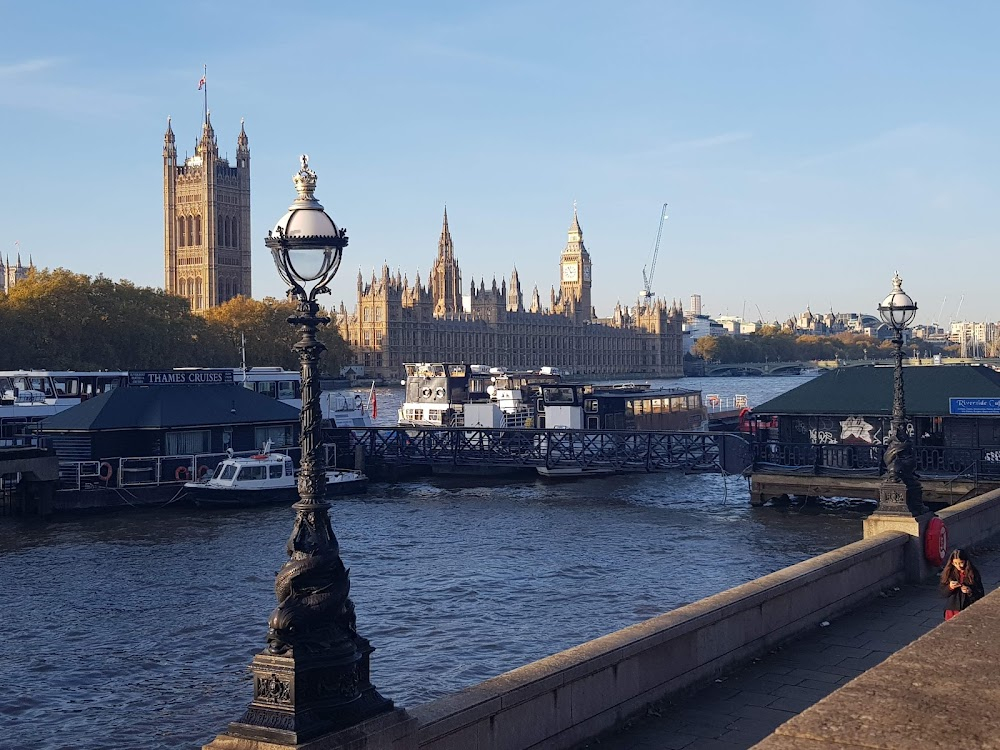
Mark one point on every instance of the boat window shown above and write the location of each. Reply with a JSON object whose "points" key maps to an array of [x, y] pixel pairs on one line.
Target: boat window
{"points": [[675, 404], [289, 468], [218, 470], [692, 402], [274, 471], [229, 472], [279, 435], [457, 371], [592, 423], [67, 386], [590, 405], [188, 443], [286, 389], [251, 473], [268, 388], [557, 395], [629, 408], [657, 405]]}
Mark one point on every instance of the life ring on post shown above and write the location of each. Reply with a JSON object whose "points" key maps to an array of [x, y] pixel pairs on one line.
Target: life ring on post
{"points": [[936, 542], [182, 474], [106, 472], [202, 471]]}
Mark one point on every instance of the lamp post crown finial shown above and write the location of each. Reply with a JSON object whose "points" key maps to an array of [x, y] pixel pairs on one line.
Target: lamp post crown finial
{"points": [[305, 181], [897, 283]]}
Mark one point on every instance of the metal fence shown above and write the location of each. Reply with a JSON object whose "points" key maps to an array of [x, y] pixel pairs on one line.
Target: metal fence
{"points": [[610, 449], [837, 458], [137, 471]]}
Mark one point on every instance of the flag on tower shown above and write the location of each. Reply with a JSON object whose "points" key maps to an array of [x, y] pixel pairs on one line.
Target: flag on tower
{"points": [[201, 83]]}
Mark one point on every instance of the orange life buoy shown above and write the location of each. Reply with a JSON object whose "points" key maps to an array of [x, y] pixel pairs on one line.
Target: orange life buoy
{"points": [[202, 471], [182, 475], [936, 542], [107, 471], [259, 456]]}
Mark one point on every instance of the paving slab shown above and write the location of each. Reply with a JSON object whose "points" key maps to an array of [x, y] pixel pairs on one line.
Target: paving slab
{"points": [[795, 676]]}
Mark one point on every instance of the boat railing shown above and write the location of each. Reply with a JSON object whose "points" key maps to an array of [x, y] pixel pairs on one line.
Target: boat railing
{"points": [[716, 403], [146, 471]]}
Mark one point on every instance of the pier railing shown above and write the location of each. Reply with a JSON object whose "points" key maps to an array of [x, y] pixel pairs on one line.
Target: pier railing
{"points": [[858, 460], [139, 471], [611, 450]]}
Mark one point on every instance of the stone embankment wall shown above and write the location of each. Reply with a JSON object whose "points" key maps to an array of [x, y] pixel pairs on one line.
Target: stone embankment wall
{"points": [[564, 699], [972, 521]]}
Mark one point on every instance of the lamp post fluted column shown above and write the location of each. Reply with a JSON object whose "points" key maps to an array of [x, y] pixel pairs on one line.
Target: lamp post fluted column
{"points": [[900, 492], [312, 678]]}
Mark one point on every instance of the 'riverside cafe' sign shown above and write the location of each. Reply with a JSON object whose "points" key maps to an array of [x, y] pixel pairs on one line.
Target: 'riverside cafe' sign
{"points": [[181, 377]]}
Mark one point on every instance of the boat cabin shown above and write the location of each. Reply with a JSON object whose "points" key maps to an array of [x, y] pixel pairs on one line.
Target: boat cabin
{"points": [[626, 406]]}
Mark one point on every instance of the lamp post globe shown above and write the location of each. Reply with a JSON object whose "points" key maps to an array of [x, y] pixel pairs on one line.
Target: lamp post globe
{"points": [[312, 679], [900, 492]]}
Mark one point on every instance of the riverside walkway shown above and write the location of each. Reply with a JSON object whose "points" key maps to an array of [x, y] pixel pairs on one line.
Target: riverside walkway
{"points": [[745, 706]]}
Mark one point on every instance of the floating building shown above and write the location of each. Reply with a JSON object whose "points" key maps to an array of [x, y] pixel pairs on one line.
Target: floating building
{"points": [[395, 322]]}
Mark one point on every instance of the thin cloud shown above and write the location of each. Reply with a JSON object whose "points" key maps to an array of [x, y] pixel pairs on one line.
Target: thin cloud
{"points": [[29, 67], [906, 135], [698, 144]]}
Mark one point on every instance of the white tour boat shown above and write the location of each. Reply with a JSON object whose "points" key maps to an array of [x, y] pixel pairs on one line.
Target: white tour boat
{"points": [[264, 478]]}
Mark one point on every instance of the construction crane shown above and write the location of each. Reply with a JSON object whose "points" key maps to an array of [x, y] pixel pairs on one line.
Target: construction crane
{"points": [[647, 279]]}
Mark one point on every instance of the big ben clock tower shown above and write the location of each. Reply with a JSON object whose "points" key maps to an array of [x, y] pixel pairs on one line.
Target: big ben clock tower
{"points": [[575, 271]]}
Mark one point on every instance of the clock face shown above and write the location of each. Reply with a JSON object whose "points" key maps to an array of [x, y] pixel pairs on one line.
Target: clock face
{"points": [[586, 273], [569, 272]]}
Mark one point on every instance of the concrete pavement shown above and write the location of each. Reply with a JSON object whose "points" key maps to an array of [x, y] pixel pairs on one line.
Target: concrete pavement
{"points": [[741, 708]]}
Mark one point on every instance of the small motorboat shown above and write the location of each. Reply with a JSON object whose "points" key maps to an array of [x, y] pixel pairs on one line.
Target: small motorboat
{"points": [[264, 478]]}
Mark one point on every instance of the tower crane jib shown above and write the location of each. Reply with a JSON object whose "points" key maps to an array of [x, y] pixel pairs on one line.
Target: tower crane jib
{"points": [[647, 278]]}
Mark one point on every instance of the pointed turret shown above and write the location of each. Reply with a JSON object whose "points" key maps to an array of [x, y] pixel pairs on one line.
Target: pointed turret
{"points": [[207, 144], [169, 144], [242, 142]]}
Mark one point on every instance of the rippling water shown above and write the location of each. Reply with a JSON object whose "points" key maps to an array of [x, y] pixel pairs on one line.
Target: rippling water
{"points": [[134, 630]]}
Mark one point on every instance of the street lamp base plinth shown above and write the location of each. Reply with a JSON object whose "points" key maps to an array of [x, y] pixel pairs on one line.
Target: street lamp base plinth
{"points": [[299, 699], [900, 499], [391, 730]]}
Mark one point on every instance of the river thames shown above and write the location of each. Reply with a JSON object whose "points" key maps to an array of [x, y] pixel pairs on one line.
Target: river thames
{"points": [[135, 629]]}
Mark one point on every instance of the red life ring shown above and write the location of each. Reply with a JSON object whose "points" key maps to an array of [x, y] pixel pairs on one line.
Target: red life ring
{"points": [[107, 471], [202, 471], [936, 542], [182, 475]]}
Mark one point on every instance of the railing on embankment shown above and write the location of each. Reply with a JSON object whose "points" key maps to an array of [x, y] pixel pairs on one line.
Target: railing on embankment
{"points": [[553, 448], [575, 695]]}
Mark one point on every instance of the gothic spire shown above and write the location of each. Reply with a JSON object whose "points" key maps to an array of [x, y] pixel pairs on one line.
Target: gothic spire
{"points": [[242, 142]]}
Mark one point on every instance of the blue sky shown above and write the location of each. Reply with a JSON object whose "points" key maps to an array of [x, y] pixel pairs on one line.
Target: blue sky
{"points": [[807, 149]]}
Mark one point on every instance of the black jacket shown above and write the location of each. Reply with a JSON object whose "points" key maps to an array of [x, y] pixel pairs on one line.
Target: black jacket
{"points": [[956, 599]]}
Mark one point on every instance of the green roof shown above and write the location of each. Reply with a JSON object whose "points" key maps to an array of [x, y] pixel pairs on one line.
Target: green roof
{"points": [[170, 406], [867, 390]]}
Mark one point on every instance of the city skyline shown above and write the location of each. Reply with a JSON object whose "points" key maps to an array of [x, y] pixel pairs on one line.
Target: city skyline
{"points": [[806, 152]]}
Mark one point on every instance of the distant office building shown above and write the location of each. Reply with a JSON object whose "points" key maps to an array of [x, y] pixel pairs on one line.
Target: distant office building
{"points": [[11, 273], [694, 309], [697, 326], [206, 218], [395, 322]]}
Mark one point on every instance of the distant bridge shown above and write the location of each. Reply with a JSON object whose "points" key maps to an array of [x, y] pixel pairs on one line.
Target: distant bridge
{"points": [[712, 369]]}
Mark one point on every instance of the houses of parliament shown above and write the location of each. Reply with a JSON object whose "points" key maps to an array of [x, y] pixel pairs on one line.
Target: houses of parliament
{"points": [[396, 322], [206, 260]]}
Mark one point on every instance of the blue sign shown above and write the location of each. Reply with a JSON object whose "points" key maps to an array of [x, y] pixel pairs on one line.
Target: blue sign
{"points": [[974, 406], [181, 377]]}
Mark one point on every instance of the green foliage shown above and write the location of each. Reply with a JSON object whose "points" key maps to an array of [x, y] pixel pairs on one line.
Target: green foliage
{"points": [[59, 320], [773, 345]]}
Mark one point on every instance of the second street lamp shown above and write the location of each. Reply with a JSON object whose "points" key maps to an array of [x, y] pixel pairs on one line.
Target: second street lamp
{"points": [[900, 492]]}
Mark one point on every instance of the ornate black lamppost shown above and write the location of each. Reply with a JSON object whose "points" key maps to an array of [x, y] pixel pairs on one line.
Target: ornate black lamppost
{"points": [[312, 678], [900, 492]]}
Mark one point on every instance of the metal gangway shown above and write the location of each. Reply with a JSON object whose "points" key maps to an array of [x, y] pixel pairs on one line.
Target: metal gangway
{"points": [[612, 450]]}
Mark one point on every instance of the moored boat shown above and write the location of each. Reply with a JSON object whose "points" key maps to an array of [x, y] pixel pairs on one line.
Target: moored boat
{"points": [[265, 477]]}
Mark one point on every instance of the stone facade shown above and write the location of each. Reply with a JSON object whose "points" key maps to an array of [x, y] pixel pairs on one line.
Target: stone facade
{"points": [[206, 221], [11, 273], [396, 322]]}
